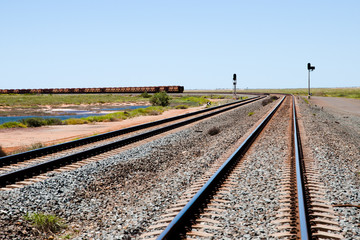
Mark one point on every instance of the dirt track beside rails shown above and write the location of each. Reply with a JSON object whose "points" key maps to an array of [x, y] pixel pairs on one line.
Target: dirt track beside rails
{"points": [[341, 105]]}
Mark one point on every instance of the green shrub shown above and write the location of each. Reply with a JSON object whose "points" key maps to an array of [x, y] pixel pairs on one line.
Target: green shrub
{"points": [[53, 121], [12, 125], [154, 110], [74, 121], [145, 95], [45, 222], [182, 107], [33, 122], [250, 113], [160, 99]]}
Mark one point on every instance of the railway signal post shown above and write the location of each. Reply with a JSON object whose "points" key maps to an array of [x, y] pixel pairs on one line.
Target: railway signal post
{"points": [[234, 82], [310, 68]]}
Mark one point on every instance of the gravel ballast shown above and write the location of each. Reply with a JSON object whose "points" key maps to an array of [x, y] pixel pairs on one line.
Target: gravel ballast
{"points": [[334, 141], [121, 196], [254, 203], [117, 197]]}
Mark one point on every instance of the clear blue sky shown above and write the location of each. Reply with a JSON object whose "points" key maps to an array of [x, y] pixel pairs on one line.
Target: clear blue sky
{"points": [[197, 44]]}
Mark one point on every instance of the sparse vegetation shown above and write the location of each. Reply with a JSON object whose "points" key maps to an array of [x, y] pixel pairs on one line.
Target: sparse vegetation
{"points": [[181, 107], [12, 125], [46, 223], [160, 99], [75, 121], [145, 95], [35, 101], [305, 100], [29, 148], [351, 92], [38, 122], [193, 101], [250, 113], [213, 131]]}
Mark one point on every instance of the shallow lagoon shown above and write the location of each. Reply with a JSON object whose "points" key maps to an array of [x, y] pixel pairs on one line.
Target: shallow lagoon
{"points": [[72, 113]]}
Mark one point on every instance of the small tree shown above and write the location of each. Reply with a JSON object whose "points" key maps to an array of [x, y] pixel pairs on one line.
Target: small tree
{"points": [[160, 99]]}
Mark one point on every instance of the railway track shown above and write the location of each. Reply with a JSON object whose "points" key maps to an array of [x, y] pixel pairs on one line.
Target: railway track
{"points": [[21, 167], [303, 212]]}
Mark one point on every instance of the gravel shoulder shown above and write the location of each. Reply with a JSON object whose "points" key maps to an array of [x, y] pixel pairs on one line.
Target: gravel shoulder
{"points": [[117, 198], [334, 141], [338, 105]]}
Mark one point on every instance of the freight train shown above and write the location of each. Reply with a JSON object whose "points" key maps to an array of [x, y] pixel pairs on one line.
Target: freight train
{"points": [[168, 89]]}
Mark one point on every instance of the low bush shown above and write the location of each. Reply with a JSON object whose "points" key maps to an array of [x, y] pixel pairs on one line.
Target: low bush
{"points": [[74, 121], [33, 122], [250, 113], [213, 131], [154, 113], [266, 101], [53, 121], [181, 107], [35, 146], [145, 95], [12, 125], [45, 222], [160, 99], [192, 100]]}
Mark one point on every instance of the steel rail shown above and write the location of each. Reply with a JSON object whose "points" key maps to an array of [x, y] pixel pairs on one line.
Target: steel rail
{"points": [[21, 174], [302, 206], [182, 221], [20, 157]]}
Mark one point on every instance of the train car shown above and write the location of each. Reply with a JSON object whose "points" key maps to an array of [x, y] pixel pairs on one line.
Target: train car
{"points": [[152, 89]]}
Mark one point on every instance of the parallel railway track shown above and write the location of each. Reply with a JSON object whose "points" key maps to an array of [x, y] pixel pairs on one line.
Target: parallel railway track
{"points": [[304, 214], [13, 174]]}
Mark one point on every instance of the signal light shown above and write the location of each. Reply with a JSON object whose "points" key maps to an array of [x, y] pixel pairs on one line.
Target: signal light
{"points": [[310, 68]]}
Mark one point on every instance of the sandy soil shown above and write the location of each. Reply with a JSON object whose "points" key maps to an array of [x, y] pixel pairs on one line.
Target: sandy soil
{"points": [[12, 139], [344, 105]]}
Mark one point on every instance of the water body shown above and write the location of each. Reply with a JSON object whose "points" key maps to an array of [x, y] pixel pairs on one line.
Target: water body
{"points": [[71, 113]]}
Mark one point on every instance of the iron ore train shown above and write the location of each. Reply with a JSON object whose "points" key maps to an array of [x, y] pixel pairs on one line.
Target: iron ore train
{"points": [[168, 89]]}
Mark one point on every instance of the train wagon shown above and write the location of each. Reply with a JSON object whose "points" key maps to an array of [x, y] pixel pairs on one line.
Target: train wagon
{"points": [[151, 89]]}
